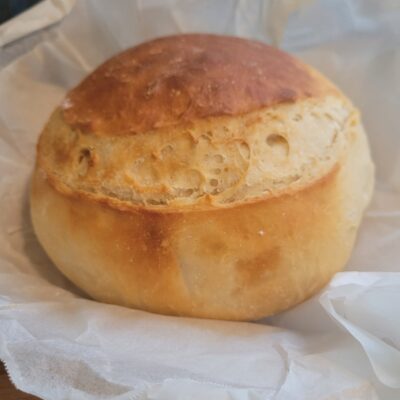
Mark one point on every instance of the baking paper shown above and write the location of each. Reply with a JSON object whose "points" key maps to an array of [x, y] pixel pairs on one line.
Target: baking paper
{"points": [[344, 343]]}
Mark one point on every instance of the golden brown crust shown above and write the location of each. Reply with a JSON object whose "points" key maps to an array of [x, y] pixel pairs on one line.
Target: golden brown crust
{"points": [[224, 203], [240, 263], [176, 79]]}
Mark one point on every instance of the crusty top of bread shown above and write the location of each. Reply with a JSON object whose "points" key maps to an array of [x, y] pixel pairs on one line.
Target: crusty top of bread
{"points": [[196, 122], [181, 78]]}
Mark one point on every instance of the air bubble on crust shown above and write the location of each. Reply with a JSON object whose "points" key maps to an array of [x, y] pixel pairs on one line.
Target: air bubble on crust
{"points": [[334, 137], [244, 150], [154, 202], [84, 161], [84, 155], [329, 116], [185, 192], [204, 138], [278, 144], [138, 161], [167, 150], [209, 134], [213, 182], [295, 178], [188, 192], [218, 158]]}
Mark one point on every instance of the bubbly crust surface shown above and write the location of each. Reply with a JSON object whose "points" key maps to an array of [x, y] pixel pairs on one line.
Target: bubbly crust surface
{"points": [[175, 79], [216, 162]]}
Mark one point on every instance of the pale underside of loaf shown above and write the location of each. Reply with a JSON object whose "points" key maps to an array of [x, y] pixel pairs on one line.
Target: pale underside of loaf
{"points": [[218, 161]]}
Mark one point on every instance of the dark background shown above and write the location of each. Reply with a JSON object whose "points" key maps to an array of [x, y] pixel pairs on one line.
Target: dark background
{"points": [[11, 8]]}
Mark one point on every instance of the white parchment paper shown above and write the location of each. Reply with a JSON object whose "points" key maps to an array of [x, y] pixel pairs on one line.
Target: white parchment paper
{"points": [[342, 344]]}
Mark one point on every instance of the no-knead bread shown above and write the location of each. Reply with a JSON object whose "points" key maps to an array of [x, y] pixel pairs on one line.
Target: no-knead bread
{"points": [[202, 175]]}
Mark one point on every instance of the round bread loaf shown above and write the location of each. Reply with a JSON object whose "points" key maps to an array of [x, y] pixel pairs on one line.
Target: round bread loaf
{"points": [[202, 175]]}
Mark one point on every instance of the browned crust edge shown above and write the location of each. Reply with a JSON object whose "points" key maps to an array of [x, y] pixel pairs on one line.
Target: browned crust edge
{"points": [[176, 79]]}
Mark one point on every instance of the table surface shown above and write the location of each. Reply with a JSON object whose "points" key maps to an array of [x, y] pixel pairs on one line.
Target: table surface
{"points": [[8, 390]]}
